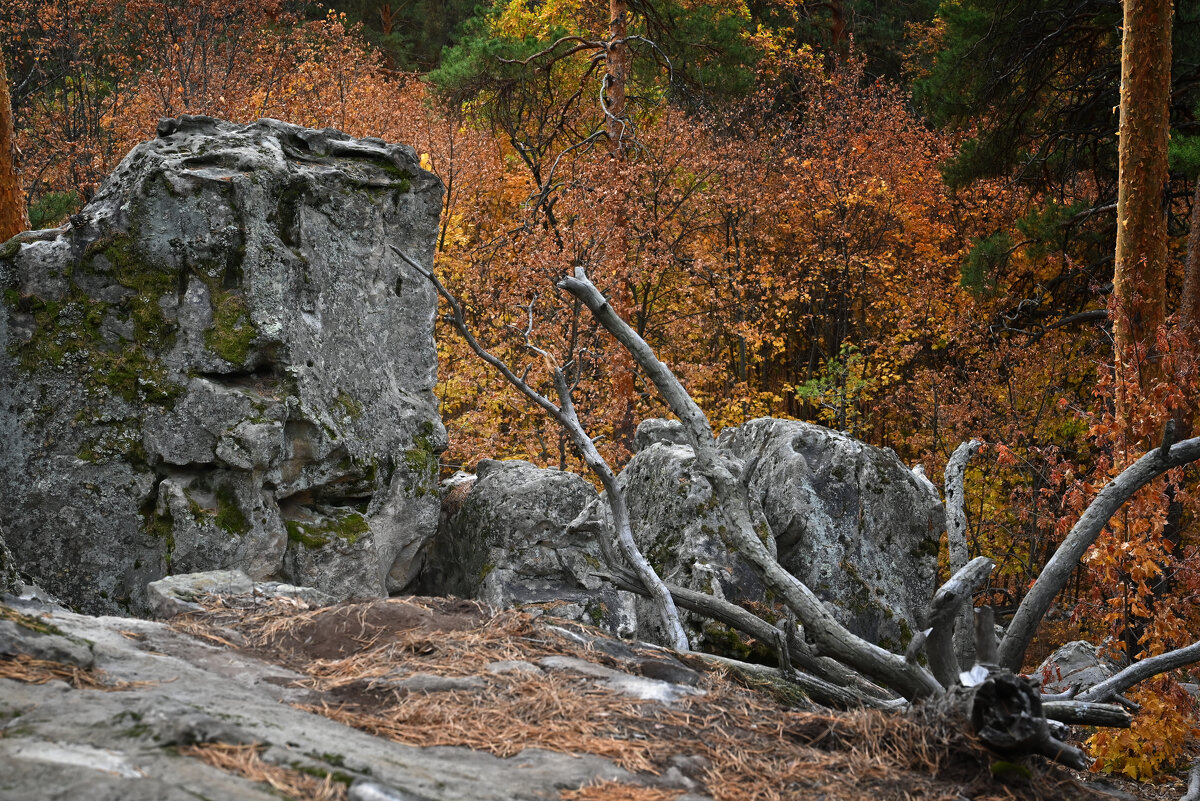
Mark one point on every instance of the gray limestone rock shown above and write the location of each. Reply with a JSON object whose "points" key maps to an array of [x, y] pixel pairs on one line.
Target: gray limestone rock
{"points": [[220, 363], [10, 580], [1078, 665], [64, 743], [178, 594], [510, 542], [679, 528], [848, 519]]}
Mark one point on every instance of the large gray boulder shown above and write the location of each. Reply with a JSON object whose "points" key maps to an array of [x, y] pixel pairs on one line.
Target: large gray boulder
{"points": [[679, 527], [509, 542], [220, 363], [848, 519]]}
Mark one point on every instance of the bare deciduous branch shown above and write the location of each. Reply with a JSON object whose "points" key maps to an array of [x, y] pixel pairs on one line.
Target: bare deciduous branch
{"points": [[948, 605], [835, 640], [566, 417], [1060, 567], [1140, 671]]}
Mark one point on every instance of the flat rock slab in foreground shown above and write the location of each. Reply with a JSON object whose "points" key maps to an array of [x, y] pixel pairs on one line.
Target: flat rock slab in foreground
{"points": [[121, 745], [427, 699]]}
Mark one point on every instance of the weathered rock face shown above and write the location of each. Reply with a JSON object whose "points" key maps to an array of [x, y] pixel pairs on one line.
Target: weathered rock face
{"points": [[848, 519], [511, 542], [10, 582], [220, 363], [679, 528], [1076, 665]]}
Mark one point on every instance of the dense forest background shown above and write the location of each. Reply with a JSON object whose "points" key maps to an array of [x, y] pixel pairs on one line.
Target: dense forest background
{"points": [[892, 218]]}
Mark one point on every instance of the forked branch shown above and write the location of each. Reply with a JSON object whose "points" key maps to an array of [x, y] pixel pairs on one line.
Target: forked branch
{"points": [[567, 418]]}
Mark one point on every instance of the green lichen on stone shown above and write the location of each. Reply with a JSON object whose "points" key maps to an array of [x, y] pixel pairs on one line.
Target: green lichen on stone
{"points": [[348, 528], [9, 249], [422, 460], [231, 333], [67, 333], [598, 612], [230, 517], [350, 406]]}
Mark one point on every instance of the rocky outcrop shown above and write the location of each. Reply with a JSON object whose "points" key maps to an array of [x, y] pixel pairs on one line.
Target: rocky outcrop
{"points": [[680, 529], [220, 363], [180, 594], [846, 518], [509, 542], [170, 698], [10, 581]]}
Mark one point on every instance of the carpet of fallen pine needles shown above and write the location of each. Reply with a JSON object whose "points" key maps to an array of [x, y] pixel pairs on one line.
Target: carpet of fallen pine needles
{"points": [[747, 744]]}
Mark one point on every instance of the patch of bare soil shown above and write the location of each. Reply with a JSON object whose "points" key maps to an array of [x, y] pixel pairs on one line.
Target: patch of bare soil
{"points": [[740, 744]]}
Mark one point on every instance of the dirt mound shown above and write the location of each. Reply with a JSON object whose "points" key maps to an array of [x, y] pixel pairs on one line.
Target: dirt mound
{"points": [[340, 631]]}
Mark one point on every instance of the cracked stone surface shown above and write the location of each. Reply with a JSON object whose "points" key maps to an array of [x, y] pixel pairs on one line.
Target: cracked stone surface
{"points": [[62, 743], [220, 363]]}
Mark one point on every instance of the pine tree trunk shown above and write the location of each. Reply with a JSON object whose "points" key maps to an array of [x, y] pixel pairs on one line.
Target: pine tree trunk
{"points": [[12, 199], [617, 74], [1139, 284]]}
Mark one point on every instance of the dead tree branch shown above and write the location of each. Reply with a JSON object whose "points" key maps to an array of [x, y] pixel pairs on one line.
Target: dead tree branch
{"points": [[956, 540], [1193, 791], [1058, 570], [878, 664], [1140, 671], [566, 417], [949, 605]]}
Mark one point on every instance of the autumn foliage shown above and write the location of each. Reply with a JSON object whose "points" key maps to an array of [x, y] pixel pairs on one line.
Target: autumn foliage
{"points": [[787, 243]]}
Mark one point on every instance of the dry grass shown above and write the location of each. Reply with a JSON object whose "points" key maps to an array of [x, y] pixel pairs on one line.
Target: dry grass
{"points": [[616, 791], [246, 761], [756, 749], [25, 668]]}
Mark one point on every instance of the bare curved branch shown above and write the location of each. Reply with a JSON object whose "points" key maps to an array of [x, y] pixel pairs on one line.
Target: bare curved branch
{"points": [[1058, 570], [566, 417], [723, 474], [956, 541], [1140, 671]]}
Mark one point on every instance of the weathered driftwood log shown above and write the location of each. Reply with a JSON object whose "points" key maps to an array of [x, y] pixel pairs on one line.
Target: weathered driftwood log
{"points": [[1087, 713], [949, 604], [818, 690], [1193, 791], [723, 474], [1140, 671], [793, 652]]}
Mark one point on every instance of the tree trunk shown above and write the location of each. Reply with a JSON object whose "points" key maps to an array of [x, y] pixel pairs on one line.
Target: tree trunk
{"points": [[1139, 284], [12, 199], [617, 61]]}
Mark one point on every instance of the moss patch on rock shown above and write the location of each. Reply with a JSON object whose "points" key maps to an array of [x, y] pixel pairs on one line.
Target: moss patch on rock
{"points": [[348, 528], [232, 333]]}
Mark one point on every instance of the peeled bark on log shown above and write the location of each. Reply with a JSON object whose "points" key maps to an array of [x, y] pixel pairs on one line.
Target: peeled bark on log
{"points": [[1086, 713], [1058, 570], [723, 474]]}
